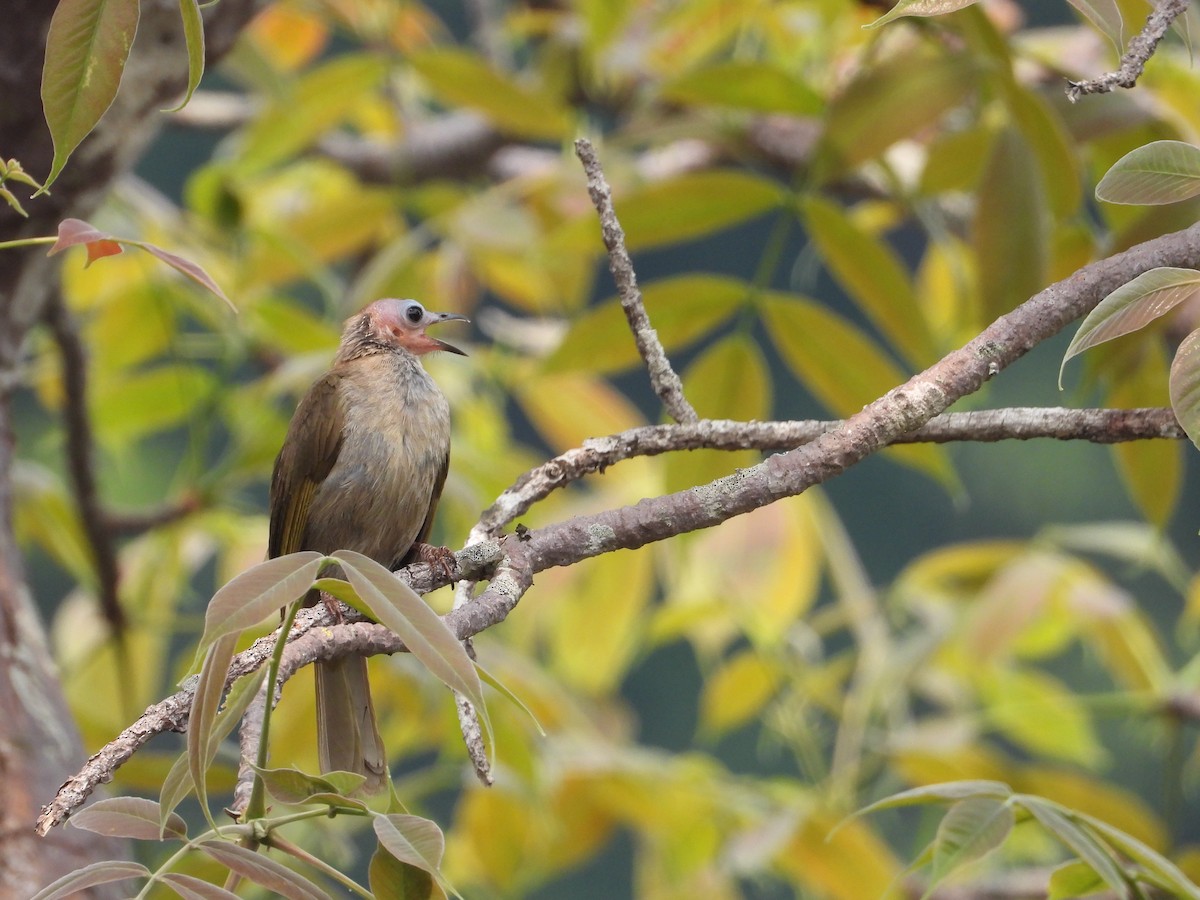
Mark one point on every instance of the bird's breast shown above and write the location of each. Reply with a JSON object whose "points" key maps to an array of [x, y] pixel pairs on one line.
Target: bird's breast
{"points": [[395, 441]]}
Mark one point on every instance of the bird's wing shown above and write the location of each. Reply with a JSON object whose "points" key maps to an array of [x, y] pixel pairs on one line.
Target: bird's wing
{"points": [[427, 526], [311, 448]]}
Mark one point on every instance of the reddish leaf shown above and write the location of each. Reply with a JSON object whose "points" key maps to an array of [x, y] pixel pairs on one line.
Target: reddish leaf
{"points": [[73, 232], [186, 267]]}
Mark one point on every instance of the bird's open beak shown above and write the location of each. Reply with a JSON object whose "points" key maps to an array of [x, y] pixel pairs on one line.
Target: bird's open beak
{"points": [[448, 317]]}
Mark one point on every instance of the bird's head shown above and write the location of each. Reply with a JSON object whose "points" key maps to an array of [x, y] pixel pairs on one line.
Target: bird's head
{"points": [[402, 323]]}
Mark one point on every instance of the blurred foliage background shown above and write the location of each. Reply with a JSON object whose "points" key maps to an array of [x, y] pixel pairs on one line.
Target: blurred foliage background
{"points": [[816, 211]]}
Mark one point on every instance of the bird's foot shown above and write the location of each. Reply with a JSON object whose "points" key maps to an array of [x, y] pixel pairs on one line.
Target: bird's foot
{"points": [[334, 606], [439, 558]]}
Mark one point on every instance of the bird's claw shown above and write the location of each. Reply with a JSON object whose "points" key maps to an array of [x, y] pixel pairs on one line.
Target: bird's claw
{"points": [[439, 558]]}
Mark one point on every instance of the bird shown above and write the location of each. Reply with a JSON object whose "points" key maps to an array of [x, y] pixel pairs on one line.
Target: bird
{"points": [[362, 468]]}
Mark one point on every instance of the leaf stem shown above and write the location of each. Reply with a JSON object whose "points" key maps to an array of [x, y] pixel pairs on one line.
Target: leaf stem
{"points": [[26, 242], [256, 808], [286, 846]]}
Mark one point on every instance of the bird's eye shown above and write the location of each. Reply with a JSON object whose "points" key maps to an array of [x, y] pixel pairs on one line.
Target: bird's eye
{"points": [[414, 313]]}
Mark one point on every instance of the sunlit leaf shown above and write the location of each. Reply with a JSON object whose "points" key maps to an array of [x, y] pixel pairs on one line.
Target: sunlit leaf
{"points": [[872, 275], [1155, 173], [86, 50], [1089, 794], [74, 883], [258, 592], [1052, 145], [1035, 711], [947, 792], [1132, 306], [1009, 230], [921, 8], [461, 78], [131, 406], [737, 692], [397, 606], [193, 35], [886, 103], [128, 817], [263, 871], [681, 309], [568, 409], [843, 367], [690, 206], [756, 86], [1185, 385]]}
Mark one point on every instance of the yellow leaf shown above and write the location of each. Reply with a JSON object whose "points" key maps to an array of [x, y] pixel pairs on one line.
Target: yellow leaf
{"points": [[737, 691], [286, 36], [852, 863], [1095, 797], [567, 409], [461, 78], [1036, 712], [690, 206]]}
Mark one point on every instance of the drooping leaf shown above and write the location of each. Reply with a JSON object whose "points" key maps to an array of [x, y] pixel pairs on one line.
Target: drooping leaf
{"points": [[189, 887], [263, 871], [256, 593], [693, 205], [73, 232], [756, 86], [1132, 306], [1185, 385], [1051, 144], [1165, 872], [397, 606], [293, 786], [971, 829], [105, 872], [887, 103], [920, 8], [946, 792], [1080, 841], [1009, 230], [193, 35], [411, 839], [391, 879], [86, 49], [1073, 879], [129, 817], [681, 309], [461, 78], [872, 275], [185, 267], [1106, 16], [210, 688], [1155, 173]]}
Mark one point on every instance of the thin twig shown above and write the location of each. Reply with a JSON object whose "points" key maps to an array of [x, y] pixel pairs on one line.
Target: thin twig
{"points": [[1133, 62], [127, 524], [80, 462], [662, 377]]}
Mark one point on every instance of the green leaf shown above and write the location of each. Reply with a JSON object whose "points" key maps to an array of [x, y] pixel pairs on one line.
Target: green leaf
{"points": [[920, 8], [397, 606], [1155, 173], [73, 883], [1073, 879], [889, 102], [842, 367], [872, 275], [1035, 711], [391, 879], [411, 839], [682, 309], [461, 78], [86, 50], [256, 593], [129, 817], [1185, 385], [693, 205], [1051, 144], [1106, 16], [193, 35], [1063, 826], [189, 887], [293, 786], [1132, 306], [1165, 873], [946, 792], [128, 407], [263, 871], [971, 829], [312, 107], [756, 86], [1009, 231], [210, 688]]}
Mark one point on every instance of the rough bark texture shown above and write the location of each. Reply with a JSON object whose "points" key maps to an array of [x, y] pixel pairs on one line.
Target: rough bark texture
{"points": [[38, 740]]}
